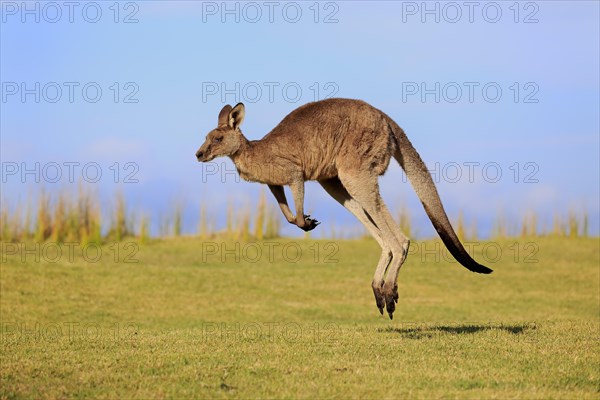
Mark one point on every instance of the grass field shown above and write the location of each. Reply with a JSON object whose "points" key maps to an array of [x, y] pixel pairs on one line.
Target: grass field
{"points": [[297, 319]]}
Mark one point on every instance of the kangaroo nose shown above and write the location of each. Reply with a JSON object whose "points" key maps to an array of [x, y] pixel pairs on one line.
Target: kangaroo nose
{"points": [[199, 155]]}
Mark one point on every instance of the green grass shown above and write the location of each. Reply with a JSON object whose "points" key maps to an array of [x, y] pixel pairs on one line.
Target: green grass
{"points": [[173, 326]]}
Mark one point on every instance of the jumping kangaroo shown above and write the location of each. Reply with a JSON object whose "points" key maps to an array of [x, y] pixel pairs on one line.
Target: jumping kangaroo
{"points": [[345, 145]]}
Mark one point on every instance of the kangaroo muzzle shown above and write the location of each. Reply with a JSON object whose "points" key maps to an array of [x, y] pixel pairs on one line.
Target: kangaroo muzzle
{"points": [[203, 153]]}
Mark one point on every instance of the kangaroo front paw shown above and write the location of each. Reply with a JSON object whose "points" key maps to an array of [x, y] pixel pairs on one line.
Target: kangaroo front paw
{"points": [[309, 223]]}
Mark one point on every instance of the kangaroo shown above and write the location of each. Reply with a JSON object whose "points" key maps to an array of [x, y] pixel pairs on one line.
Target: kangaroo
{"points": [[345, 145]]}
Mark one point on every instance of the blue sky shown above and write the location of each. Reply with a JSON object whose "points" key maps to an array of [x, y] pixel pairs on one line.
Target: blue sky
{"points": [[541, 133]]}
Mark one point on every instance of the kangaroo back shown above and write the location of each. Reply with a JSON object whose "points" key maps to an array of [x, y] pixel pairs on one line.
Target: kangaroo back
{"points": [[421, 181]]}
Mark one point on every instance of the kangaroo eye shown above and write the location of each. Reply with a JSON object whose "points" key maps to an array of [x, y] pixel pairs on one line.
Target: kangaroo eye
{"points": [[218, 139]]}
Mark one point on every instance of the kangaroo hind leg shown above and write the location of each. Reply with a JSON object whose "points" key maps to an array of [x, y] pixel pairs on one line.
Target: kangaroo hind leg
{"points": [[363, 186], [336, 190]]}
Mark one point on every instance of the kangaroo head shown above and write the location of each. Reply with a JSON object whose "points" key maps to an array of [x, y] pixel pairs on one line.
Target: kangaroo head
{"points": [[226, 138]]}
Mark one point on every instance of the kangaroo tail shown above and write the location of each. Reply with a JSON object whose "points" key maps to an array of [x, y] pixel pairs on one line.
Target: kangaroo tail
{"points": [[421, 180]]}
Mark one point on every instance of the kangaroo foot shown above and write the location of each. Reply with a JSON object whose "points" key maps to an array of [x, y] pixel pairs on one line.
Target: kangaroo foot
{"points": [[391, 298], [378, 292], [309, 223]]}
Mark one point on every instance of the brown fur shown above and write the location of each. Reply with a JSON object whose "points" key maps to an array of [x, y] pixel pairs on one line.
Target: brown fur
{"points": [[345, 145]]}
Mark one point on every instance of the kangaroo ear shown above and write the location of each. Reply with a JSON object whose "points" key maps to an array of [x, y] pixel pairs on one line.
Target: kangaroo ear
{"points": [[236, 116], [224, 115]]}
